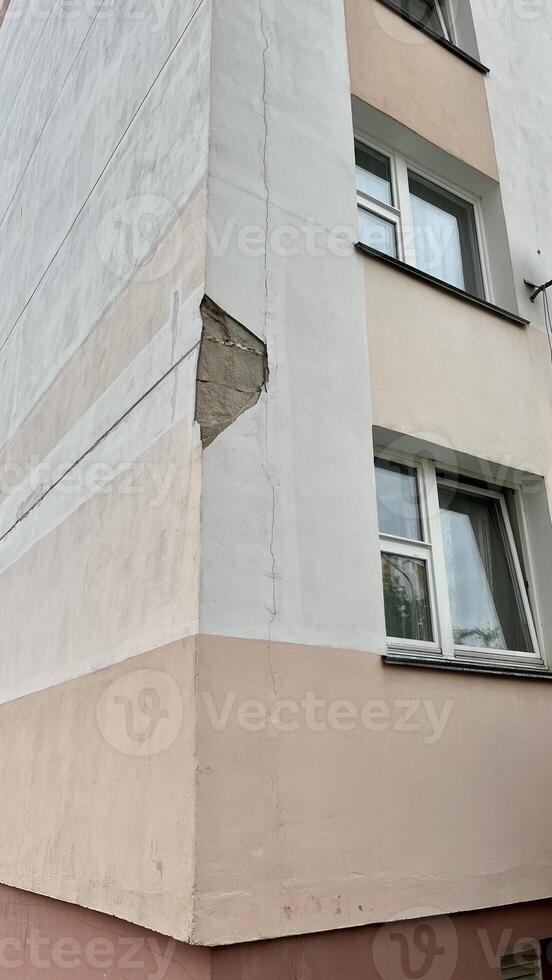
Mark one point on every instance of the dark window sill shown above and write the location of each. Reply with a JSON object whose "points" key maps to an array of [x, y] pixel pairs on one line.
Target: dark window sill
{"points": [[444, 286], [459, 667], [437, 37]]}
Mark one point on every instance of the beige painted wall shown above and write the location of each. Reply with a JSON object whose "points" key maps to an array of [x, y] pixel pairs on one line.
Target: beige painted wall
{"points": [[111, 826], [207, 822], [405, 74], [456, 375], [306, 830]]}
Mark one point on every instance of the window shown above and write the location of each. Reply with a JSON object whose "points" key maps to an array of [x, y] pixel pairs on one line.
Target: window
{"points": [[407, 215], [523, 962], [445, 235], [453, 583], [429, 13], [374, 182]]}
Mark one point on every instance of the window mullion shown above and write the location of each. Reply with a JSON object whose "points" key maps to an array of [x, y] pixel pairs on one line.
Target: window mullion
{"points": [[407, 253], [383, 210], [442, 21], [439, 565], [405, 549]]}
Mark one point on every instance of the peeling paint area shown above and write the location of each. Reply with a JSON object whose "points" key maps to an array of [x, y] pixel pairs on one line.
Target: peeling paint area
{"points": [[232, 371]]}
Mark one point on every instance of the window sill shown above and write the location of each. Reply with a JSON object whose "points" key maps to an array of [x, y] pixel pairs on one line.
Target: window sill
{"points": [[460, 667], [453, 48], [411, 270]]}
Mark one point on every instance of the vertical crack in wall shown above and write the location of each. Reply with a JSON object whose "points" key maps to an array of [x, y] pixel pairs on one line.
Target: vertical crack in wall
{"points": [[275, 776], [232, 371], [274, 610]]}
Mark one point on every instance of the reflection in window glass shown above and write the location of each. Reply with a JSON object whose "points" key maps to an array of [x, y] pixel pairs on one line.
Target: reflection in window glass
{"points": [[445, 236], [406, 598], [485, 603], [398, 500], [378, 233], [425, 12], [373, 173]]}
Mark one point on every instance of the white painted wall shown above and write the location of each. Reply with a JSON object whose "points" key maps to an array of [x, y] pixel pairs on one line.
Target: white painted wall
{"points": [[104, 145], [515, 41], [289, 546]]}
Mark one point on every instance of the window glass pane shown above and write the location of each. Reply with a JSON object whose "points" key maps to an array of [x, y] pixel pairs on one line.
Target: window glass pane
{"points": [[424, 11], [398, 500], [373, 171], [485, 602], [377, 233], [406, 598], [445, 236]]}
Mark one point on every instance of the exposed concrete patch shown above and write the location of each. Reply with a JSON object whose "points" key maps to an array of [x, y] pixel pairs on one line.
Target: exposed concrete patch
{"points": [[232, 371]]}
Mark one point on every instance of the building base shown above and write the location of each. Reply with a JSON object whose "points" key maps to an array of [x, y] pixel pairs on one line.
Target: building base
{"points": [[44, 938]]}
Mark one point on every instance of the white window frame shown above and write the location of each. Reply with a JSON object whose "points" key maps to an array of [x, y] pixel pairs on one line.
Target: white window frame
{"points": [[400, 212], [407, 548], [431, 550]]}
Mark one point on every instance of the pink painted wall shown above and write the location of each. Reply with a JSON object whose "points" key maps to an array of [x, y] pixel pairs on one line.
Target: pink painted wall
{"points": [[42, 939], [459, 947]]}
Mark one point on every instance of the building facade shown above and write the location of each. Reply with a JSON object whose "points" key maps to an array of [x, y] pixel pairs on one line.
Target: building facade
{"points": [[275, 482]]}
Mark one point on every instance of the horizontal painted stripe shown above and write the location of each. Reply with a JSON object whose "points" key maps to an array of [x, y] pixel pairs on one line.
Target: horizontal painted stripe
{"points": [[152, 364]]}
